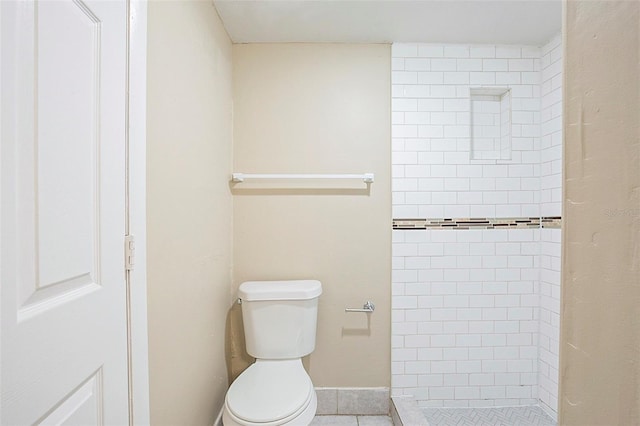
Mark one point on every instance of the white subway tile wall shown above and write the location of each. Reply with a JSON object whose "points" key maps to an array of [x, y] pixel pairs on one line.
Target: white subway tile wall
{"points": [[551, 205], [551, 129], [475, 312], [431, 127], [549, 319], [465, 318]]}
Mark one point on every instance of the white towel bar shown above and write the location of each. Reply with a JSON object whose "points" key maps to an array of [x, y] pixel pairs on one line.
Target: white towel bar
{"points": [[240, 177]]}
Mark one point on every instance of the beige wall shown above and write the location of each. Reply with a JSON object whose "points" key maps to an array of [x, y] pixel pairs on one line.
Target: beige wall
{"points": [[301, 108], [189, 210], [600, 332]]}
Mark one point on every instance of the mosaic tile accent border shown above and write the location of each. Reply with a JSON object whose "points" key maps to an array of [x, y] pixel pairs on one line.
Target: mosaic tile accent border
{"points": [[554, 222], [480, 223]]}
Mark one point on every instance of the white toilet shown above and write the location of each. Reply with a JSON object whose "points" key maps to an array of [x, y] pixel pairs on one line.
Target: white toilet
{"points": [[280, 320]]}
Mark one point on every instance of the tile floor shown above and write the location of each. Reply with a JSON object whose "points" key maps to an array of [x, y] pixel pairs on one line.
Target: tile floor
{"points": [[507, 416], [352, 421]]}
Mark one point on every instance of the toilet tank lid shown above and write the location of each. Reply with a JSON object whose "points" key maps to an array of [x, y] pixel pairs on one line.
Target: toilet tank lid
{"points": [[280, 290]]}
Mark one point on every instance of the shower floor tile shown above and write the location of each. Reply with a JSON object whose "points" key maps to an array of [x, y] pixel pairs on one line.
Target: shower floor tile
{"points": [[506, 416]]}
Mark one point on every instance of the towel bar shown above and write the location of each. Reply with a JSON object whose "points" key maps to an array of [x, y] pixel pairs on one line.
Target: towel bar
{"points": [[240, 177]]}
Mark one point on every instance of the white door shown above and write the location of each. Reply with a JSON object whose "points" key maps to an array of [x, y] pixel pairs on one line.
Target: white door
{"points": [[62, 160]]}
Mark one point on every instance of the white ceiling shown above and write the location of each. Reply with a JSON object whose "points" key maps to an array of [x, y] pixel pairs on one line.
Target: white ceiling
{"points": [[529, 22]]}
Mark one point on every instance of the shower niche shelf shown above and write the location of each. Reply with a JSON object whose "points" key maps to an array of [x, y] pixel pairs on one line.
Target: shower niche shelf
{"points": [[490, 123]]}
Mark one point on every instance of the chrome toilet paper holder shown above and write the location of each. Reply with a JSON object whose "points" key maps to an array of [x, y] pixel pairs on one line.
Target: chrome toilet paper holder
{"points": [[368, 307]]}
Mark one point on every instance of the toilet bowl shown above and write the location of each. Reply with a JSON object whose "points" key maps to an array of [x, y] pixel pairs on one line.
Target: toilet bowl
{"points": [[271, 393], [280, 319]]}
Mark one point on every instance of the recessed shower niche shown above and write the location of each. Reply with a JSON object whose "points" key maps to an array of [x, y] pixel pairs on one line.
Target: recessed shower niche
{"points": [[490, 123]]}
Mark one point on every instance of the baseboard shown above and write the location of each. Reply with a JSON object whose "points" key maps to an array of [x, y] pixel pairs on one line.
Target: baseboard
{"points": [[353, 401], [348, 401]]}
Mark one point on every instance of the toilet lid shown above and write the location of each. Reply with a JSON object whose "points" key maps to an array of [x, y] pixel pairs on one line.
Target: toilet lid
{"points": [[268, 391]]}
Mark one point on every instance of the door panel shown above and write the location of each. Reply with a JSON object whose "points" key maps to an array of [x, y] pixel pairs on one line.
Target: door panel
{"points": [[65, 163], [62, 220], [67, 213], [82, 407]]}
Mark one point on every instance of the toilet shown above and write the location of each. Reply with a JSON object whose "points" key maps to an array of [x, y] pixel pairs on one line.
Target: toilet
{"points": [[280, 320]]}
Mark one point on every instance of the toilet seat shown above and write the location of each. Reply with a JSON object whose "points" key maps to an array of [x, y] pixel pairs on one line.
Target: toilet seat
{"points": [[270, 392]]}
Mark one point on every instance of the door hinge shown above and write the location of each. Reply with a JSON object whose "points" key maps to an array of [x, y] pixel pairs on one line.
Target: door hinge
{"points": [[129, 252]]}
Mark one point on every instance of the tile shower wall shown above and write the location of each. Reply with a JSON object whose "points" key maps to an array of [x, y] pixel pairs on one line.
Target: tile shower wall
{"points": [[433, 175], [464, 317], [466, 304], [549, 319], [551, 129], [551, 205]]}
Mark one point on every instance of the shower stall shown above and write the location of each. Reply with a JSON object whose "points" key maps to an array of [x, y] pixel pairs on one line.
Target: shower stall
{"points": [[477, 178]]}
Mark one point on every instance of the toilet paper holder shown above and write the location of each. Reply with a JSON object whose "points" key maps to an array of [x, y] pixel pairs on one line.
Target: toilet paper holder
{"points": [[368, 307]]}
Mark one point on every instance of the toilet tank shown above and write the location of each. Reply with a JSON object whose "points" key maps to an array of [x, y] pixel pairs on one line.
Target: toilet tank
{"points": [[280, 317]]}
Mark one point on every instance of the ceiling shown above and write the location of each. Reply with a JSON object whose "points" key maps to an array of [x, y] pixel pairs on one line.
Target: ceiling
{"points": [[528, 22]]}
